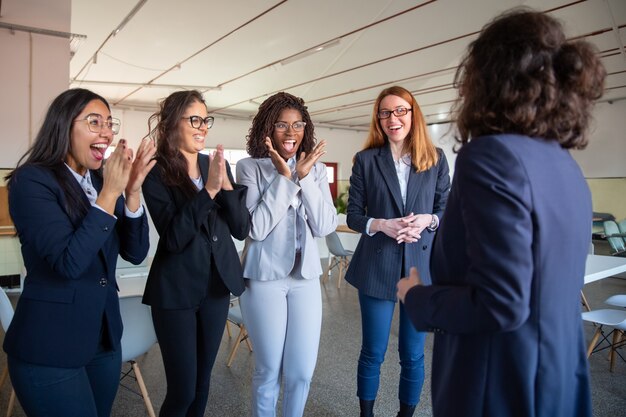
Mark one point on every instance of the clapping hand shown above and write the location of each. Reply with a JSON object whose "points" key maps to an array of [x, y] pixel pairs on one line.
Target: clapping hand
{"points": [[115, 174], [306, 162], [141, 166], [218, 177]]}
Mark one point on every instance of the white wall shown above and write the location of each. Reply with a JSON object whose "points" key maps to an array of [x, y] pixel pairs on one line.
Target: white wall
{"points": [[34, 70]]}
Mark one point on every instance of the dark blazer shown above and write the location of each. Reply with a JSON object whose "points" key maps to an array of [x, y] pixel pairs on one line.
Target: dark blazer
{"points": [[377, 263], [194, 236], [508, 266], [70, 285]]}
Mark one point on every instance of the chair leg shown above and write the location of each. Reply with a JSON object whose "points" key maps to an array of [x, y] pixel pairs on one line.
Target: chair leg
{"points": [[11, 403], [617, 335], [326, 275], [584, 301], [236, 347], [247, 339], [228, 329], [143, 389], [594, 340]]}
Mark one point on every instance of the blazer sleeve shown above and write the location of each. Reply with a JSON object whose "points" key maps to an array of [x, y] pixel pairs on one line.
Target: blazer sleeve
{"points": [[442, 188], [318, 202], [268, 198], [36, 204], [232, 207], [357, 217], [176, 226], [495, 199]]}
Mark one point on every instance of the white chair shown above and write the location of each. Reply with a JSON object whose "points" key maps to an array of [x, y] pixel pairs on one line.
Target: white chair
{"points": [[235, 317], [6, 315], [610, 318], [137, 339], [337, 257], [618, 300]]}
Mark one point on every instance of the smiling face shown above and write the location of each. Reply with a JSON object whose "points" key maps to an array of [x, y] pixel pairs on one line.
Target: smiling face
{"points": [[87, 148], [286, 143], [191, 138], [395, 128]]}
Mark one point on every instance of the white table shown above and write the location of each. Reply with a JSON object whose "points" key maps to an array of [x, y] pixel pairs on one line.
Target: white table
{"points": [[132, 284], [599, 267]]}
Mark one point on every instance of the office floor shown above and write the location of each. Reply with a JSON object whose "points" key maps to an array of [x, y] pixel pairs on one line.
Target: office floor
{"points": [[333, 388]]}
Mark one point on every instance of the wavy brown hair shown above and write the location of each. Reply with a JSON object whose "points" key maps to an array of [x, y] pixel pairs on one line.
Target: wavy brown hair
{"points": [[418, 144], [522, 76], [166, 135], [268, 114]]}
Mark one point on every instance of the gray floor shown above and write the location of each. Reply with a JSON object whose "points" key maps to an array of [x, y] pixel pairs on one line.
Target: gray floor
{"points": [[333, 387]]}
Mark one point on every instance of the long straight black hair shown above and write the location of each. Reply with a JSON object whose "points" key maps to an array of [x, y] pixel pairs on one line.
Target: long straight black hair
{"points": [[52, 144]]}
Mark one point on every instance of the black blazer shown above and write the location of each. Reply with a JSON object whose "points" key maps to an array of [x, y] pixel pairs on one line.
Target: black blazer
{"points": [[70, 285], [194, 236], [379, 261]]}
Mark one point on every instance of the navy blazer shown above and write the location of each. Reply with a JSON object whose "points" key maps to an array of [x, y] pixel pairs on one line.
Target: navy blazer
{"points": [[508, 266], [194, 239], [70, 285], [379, 261]]}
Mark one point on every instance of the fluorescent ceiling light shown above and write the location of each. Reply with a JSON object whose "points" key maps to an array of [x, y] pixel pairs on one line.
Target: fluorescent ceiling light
{"points": [[310, 51]]}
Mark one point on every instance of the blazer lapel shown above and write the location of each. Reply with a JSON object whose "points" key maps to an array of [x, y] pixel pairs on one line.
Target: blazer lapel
{"points": [[97, 182], [203, 163], [384, 161], [415, 184]]}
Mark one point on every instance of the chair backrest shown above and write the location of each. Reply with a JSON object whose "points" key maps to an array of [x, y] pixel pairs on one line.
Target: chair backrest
{"points": [[234, 315], [617, 243], [335, 247], [138, 336], [6, 310], [622, 226]]}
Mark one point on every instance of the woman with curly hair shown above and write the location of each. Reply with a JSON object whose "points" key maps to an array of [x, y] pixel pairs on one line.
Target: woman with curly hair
{"points": [[196, 207], [509, 262], [290, 203]]}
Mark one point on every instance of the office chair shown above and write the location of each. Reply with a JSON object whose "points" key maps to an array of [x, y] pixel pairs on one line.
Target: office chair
{"points": [[137, 339], [235, 317], [615, 238], [6, 315], [617, 300], [611, 318], [337, 257]]}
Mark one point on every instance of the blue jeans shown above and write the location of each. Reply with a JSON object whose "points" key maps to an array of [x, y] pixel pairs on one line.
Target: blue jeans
{"points": [[376, 317], [61, 392]]}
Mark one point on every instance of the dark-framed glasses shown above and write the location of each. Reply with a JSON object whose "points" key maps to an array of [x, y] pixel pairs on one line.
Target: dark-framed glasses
{"points": [[197, 121], [96, 123], [283, 126], [398, 111]]}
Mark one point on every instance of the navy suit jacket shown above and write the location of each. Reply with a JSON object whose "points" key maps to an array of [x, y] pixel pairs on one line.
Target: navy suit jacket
{"points": [[194, 240], [379, 261], [507, 268], [70, 286]]}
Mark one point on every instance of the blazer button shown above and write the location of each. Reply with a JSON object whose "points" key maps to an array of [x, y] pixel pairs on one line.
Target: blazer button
{"points": [[214, 238], [103, 282], [425, 247], [106, 228]]}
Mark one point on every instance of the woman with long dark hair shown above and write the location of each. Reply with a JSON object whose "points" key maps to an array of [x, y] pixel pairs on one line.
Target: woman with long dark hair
{"points": [[509, 262], [196, 208], [398, 191], [73, 218], [290, 203]]}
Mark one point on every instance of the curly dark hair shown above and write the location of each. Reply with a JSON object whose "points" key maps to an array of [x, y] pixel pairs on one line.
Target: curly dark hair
{"points": [[522, 76], [263, 124], [166, 135]]}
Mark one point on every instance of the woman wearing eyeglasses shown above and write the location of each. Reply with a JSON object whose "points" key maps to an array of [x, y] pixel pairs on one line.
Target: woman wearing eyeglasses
{"points": [[73, 218], [196, 207], [398, 191], [290, 203]]}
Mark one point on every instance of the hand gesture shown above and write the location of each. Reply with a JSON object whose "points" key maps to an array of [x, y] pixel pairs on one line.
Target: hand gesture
{"points": [[392, 227], [143, 163], [277, 160], [217, 172], [414, 226], [405, 284], [116, 173], [306, 162]]}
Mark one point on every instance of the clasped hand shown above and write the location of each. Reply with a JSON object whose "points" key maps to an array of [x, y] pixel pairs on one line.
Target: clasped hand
{"points": [[217, 178], [405, 229]]}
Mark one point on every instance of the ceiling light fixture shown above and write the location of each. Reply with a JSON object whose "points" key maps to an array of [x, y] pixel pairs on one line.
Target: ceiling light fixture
{"points": [[129, 16], [310, 51]]}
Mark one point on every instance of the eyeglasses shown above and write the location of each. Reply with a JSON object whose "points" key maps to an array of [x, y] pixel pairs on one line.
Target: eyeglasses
{"points": [[197, 121], [283, 127], [399, 111], [96, 123]]}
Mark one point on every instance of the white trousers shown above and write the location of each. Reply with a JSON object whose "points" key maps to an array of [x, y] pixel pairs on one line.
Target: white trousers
{"points": [[284, 320]]}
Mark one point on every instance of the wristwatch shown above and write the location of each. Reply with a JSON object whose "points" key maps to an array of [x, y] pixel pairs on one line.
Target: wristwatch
{"points": [[433, 224]]}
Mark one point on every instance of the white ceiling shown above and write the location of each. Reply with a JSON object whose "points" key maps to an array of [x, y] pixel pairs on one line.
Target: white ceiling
{"points": [[234, 51]]}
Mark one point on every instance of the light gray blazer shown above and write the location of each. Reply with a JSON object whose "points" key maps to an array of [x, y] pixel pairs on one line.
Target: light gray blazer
{"points": [[270, 249]]}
